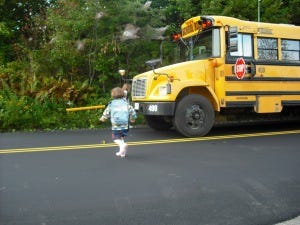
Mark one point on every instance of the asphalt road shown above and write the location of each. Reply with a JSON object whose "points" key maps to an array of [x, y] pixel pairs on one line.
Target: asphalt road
{"points": [[238, 175]]}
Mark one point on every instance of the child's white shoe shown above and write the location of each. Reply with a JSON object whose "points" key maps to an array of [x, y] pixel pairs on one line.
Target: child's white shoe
{"points": [[118, 153], [123, 150]]}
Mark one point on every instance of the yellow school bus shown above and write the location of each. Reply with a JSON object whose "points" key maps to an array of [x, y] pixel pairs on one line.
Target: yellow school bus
{"points": [[230, 68]]}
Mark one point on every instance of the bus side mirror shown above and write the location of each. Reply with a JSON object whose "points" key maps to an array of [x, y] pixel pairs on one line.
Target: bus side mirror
{"points": [[153, 63], [233, 39]]}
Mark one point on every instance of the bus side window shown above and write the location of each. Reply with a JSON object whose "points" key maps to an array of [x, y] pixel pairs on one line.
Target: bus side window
{"points": [[290, 49], [245, 46], [267, 48]]}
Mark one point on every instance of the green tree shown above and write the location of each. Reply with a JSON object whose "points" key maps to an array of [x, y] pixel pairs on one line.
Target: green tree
{"points": [[275, 11], [293, 12], [19, 18]]}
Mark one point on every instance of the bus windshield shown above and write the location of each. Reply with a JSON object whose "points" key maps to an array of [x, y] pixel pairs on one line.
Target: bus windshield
{"points": [[202, 46]]}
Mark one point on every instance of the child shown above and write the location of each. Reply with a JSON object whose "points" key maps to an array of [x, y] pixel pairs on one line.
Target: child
{"points": [[119, 112]]}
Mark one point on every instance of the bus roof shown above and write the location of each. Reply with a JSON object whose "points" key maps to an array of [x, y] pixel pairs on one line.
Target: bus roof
{"points": [[192, 26]]}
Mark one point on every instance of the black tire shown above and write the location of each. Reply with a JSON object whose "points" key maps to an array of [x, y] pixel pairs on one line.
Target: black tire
{"points": [[194, 116], [158, 122]]}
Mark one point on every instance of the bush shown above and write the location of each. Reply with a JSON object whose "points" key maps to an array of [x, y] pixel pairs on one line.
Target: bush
{"points": [[26, 113]]}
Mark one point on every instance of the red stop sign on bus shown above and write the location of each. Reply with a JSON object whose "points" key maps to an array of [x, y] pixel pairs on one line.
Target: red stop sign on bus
{"points": [[240, 68]]}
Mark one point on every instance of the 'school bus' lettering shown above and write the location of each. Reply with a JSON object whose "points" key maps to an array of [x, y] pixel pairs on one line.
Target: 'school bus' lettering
{"points": [[190, 28]]}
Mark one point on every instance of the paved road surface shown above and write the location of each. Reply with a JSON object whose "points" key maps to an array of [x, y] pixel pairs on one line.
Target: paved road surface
{"points": [[234, 176]]}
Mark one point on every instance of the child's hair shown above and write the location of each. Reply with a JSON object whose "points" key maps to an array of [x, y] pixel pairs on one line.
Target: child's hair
{"points": [[117, 92]]}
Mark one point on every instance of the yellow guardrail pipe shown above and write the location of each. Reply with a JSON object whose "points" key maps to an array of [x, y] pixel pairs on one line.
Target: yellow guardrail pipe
{"points": [[85, 108]]}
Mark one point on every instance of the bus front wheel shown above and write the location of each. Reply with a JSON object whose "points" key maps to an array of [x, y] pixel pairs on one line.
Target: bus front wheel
{"points": [[194, 116]]}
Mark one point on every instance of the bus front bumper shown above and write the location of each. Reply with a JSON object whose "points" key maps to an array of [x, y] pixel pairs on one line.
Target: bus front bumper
{"points": [[155, 108]]}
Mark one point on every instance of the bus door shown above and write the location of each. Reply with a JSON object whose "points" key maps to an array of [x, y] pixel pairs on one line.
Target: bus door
{"points": [[239, 70]]}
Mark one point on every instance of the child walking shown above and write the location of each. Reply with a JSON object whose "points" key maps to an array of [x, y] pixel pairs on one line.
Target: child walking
{"points": [[120, 113]]}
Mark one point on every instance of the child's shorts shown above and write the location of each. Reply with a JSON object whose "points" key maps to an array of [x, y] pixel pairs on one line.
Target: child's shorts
{"points": [[118, 134]]}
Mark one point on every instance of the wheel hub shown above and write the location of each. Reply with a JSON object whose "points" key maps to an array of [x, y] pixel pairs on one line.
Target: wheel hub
{"points": [[194, 116]]}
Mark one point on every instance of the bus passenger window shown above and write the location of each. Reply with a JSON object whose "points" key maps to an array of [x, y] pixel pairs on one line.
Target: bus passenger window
{"points": [[267, 48], [290, 50], [244, 46]]}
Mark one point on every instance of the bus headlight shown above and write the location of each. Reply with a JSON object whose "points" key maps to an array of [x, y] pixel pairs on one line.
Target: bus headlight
{"points": [[164, 90]]}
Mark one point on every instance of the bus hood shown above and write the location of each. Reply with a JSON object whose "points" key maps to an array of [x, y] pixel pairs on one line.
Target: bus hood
{"points": [[149, 85], [191, 70]]}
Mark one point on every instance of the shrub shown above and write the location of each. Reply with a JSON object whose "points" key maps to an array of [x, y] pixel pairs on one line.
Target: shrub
{"points": [[26, 113]]}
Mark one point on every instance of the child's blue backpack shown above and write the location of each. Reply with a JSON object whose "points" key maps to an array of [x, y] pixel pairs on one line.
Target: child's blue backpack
{"points": [[119, 113]]}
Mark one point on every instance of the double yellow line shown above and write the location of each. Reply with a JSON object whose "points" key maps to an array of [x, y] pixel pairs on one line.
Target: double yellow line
{"points": [[151, 142]]}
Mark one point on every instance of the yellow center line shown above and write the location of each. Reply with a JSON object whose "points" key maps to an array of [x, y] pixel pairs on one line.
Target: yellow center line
{"points": [[136, 143]]}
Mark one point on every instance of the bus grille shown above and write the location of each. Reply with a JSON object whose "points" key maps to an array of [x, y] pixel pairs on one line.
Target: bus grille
{"points": [[139, 88]]}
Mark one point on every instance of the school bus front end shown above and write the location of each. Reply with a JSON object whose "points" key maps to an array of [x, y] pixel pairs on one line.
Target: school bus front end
{"points": [[167, 97]]}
